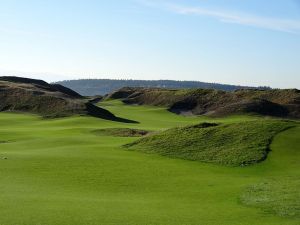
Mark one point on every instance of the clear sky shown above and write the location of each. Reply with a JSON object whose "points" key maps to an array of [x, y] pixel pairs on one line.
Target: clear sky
{"points": [[249, 42]]}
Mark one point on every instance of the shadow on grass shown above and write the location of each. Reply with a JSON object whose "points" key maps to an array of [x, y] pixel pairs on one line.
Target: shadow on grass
{"points": [[98, 112]]}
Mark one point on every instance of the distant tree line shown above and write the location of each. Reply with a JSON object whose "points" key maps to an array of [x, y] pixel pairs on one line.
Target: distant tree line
{"points": [[90, 87]]}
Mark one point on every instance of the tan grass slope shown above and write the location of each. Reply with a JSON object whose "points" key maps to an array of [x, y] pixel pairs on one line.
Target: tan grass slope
{"points": [[37, 96], [279, 103]]}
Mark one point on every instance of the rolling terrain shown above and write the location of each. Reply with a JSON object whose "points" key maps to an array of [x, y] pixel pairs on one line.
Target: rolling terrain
{"points": [[65, 171], [66, 159]]}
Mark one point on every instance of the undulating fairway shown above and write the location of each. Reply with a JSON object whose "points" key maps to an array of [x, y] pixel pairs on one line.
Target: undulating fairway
{"points": [[60, 172]]}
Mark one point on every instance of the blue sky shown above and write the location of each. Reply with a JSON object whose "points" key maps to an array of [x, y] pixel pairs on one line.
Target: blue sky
{"points": [[249, 42]]}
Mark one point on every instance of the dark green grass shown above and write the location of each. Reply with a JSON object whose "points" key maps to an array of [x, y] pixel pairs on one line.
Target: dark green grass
{"points": [[120, 132], [233, 144]]}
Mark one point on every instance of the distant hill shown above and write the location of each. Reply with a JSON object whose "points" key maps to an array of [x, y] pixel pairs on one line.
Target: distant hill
{"points": [[90, 87], [49, 100], [275, 102]]}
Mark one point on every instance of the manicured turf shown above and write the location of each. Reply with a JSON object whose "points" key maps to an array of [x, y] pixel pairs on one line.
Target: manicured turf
{"points": [[278, 196], [57, 172]]}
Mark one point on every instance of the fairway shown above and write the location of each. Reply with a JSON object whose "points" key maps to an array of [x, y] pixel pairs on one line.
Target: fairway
{"points": [[59, 172]]}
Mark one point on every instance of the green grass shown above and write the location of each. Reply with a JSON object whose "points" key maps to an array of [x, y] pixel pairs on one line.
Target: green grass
{"points": [[279, 194], [235, 144], [281, 197], [58, 172]]}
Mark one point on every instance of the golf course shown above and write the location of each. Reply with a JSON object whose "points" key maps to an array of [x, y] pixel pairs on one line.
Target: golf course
{"points": [[150, 112], [79, 170]]}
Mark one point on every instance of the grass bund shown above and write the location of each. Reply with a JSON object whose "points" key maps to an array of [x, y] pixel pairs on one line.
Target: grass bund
{"points": [[58, 172], [236, 144]]}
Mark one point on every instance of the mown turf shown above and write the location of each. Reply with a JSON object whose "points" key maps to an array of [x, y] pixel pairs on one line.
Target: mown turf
{"points": [[57, 172], [279, 194], [281, 197], [235, 144]]}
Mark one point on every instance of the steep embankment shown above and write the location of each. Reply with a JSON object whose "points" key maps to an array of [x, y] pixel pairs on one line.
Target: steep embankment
{"points": [[235, 144], [37, 96], [280, 103]]}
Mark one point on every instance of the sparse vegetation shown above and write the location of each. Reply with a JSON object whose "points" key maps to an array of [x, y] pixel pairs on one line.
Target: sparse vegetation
{"points": [[279, 103], [50, 101], [121, 132]]}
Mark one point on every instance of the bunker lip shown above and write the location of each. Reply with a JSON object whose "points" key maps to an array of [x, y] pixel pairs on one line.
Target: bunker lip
{"points": [[121, 132]]}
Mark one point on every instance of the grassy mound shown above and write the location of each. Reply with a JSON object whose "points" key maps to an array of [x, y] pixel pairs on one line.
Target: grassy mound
{"points": [[280, 197], [234, 144], [121, 132]]}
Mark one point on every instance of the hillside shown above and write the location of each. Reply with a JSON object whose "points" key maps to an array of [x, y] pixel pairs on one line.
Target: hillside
{"points": [[48, 100], [90, 87], [280, 103]]}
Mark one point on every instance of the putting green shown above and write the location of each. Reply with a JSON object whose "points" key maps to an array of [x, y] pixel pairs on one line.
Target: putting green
{"points": [[58, 172]]}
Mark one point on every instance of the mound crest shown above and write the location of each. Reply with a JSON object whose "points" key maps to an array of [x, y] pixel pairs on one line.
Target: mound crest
{"points": [[236, 144]]}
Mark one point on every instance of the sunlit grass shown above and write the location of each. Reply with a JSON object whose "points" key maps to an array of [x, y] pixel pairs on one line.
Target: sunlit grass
{"points": [[57, 172]]}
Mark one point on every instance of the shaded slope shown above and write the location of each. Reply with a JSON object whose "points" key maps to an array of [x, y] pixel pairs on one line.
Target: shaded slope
{"points": [[280, 103], [234, 144], [42, 85], [258, 106], [37, 96]]}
